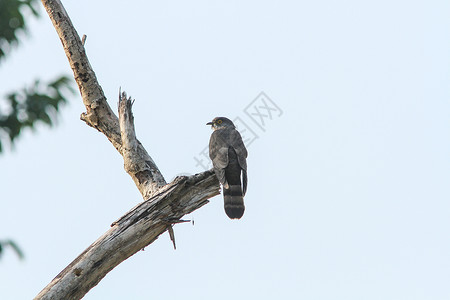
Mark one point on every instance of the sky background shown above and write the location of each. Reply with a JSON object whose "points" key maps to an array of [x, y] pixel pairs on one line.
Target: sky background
{"points": [[348, 194]]}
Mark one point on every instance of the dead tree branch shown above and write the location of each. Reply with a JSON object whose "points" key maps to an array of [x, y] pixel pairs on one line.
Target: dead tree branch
{"points": [[98, 112], [131, 233], [164, 205], [138, 164]]}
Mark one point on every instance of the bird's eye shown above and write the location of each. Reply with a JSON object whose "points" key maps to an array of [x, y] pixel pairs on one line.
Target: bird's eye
{"points": [[219, 121]]}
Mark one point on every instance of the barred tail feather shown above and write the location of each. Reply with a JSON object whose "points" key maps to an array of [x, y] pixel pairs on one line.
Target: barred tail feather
{"points": [[233, 202]]}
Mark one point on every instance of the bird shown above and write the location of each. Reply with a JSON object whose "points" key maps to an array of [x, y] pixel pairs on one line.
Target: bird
{"points": [[229, 157]]}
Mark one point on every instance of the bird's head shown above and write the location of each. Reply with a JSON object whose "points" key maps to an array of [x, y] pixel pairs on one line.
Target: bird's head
{"points": [[220, 123]]}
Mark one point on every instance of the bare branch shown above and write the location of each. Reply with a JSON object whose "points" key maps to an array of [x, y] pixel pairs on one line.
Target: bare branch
{"points": [[98, 113], [137, 162], [165, 203], [131, 233]]}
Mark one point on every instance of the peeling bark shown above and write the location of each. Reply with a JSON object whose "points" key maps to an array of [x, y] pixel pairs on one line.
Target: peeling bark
{"points": [[131, 233], [164, 205], [99, 114], [138, 164]]}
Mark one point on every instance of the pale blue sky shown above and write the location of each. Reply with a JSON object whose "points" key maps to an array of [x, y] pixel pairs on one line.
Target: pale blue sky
{"points": [[348, 194]]}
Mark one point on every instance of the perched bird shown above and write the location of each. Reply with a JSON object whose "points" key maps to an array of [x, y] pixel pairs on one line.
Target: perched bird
{"points": [[228, 155]]}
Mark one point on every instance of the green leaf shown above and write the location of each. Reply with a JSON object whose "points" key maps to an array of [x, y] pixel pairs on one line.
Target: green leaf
{"points": [[33, 104], [14, 246], [12, 22]]}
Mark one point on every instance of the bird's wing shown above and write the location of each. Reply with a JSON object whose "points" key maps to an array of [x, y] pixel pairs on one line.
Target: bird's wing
{"points": [[218, 149], [218, 152], [235, 140], [244, 182]]}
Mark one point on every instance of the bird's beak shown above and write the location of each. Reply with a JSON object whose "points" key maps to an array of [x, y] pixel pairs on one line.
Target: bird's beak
{"points": [[209, 123]]}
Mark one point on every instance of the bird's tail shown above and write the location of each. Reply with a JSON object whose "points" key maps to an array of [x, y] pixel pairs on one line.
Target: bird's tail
{"points": [[234, 202]]}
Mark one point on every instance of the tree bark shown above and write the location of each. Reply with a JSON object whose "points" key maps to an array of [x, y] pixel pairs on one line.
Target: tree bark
{"points": [[98, 113], [131, 233], [164, 205]]}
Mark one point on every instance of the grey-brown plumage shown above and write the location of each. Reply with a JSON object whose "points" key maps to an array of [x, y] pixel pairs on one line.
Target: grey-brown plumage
{"points": [[228, 154]]}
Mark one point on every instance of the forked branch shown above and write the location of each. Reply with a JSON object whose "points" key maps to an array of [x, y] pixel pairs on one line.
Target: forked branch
{"points": [[164, 205]]}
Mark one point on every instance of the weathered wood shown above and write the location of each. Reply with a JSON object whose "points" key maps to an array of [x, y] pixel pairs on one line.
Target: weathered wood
{"points": [[98, 112], [138, 164], [131, 233], [165, 204]]}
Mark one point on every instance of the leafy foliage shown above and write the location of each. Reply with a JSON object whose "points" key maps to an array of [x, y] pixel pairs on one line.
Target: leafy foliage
{"points": [[38, 102], [30, 105], [12, 22], [13, 245]]}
